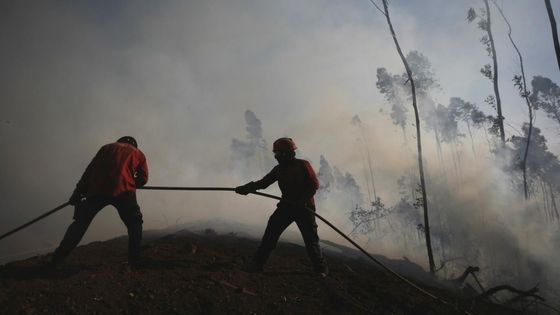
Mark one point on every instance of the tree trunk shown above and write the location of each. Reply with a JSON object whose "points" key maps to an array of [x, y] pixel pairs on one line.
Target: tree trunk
{"points": [[553, 202], [457, 155], [371, 173], [418, 140], [472, 140], [557, 117], [545, 200], [488, 141], [525, 95], [524, 163], [495, 74], [554, 30], [440, 152], [362, 155]]}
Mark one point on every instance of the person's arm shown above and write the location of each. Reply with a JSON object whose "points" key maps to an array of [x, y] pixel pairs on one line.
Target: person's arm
{"points": [[311, 184], [141, 176], [81, 186], [264, 182]]}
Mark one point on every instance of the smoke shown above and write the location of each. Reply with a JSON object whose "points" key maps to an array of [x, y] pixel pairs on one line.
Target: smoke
{"points": [[206, 86]]}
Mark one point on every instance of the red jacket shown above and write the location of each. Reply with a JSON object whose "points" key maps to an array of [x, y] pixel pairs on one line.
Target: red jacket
{"points": [[297, 181], [115, 169]]}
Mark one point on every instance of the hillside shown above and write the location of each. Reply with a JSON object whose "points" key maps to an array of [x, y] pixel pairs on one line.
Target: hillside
{"points": [[203, 273]]}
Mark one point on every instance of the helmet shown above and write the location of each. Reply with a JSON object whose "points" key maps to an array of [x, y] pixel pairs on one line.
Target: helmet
{"points": [[129, 140], [284, 144]]}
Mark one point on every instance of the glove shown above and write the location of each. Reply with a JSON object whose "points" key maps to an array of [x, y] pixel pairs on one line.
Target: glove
{"points": [[76, 198], [245, 189]]}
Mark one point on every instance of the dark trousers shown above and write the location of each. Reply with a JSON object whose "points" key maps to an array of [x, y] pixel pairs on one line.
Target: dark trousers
{"points": [[278, 222], [129, 212]]}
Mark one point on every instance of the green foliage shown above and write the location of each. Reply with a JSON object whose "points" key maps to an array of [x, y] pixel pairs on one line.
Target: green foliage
{"points": [[486, 71], [447, 123], [419, 201], [366, 220], [389, 87], [546, 96], [518, 83], [490, 100], [478, 117], [422, 72], [467, 112], [541, 163], [495, 125], [471, 15], [485, 40]]}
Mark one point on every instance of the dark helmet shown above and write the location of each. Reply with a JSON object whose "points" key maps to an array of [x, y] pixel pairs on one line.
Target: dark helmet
{"points": [[284, 144], [129, 140]]}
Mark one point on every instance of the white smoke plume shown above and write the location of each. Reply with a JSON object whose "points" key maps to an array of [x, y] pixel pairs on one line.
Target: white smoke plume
{"points": [[180, 75]]}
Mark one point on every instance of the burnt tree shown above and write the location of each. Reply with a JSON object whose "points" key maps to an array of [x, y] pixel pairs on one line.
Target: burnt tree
{"points": [[554, 30], [418, 138], [521, 84]]}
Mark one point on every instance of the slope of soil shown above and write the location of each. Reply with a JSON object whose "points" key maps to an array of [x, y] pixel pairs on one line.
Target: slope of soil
{"points": [[188, 273]]}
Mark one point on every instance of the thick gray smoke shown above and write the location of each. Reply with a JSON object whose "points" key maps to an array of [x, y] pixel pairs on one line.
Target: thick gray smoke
{"points": [[206, 86]]}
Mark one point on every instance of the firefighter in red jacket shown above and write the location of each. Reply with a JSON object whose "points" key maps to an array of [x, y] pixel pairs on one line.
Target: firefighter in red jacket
{"points": [[298, 184], [111, 178]]}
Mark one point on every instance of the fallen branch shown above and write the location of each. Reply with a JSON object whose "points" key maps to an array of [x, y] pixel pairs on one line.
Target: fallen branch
{"points": [[549, 306], [521, 294], [470, 270], [444, 262]]}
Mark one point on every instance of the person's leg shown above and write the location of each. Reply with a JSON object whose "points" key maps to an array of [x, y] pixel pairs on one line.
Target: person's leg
{"points": [[308, 228], [130, 214], [277, 223], [83, 215]]}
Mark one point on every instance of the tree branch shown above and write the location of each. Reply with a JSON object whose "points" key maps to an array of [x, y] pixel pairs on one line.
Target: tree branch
{"points": [[521, 294], [377, 7]]}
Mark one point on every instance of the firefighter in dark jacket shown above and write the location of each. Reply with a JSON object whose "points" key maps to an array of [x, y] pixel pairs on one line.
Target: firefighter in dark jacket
{"points": [[111, 178], [298, 183]]}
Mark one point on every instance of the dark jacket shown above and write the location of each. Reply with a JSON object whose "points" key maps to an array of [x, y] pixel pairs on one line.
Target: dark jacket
{"points": [[297, 181]]}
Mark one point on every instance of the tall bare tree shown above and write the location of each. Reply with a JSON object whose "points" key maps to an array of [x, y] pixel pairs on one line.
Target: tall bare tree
{"points": [[543, 165], [554, 30], [485, 24], [521, 83], [385, 12], [358, 122]]}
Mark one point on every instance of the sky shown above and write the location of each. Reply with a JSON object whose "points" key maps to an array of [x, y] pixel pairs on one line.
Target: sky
{"points": [[179, 75]]}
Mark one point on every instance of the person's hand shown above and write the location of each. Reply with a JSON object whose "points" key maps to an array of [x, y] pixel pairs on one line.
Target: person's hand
{"points": [[75, 199], [244, 189]]}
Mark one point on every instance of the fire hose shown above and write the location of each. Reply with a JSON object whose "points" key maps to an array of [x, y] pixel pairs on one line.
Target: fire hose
{"points": [[383, 266], [46, 214]]}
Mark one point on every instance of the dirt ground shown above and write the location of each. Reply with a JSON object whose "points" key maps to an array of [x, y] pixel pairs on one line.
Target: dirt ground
{"points": [[203, 273]]}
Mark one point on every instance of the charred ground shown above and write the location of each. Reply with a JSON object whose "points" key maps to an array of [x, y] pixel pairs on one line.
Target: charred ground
{"points": [[203, 273]]}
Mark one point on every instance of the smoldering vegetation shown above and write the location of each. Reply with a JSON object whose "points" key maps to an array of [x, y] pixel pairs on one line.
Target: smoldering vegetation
{"points": [[475, 186], [207, 87], [479, 216]]}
